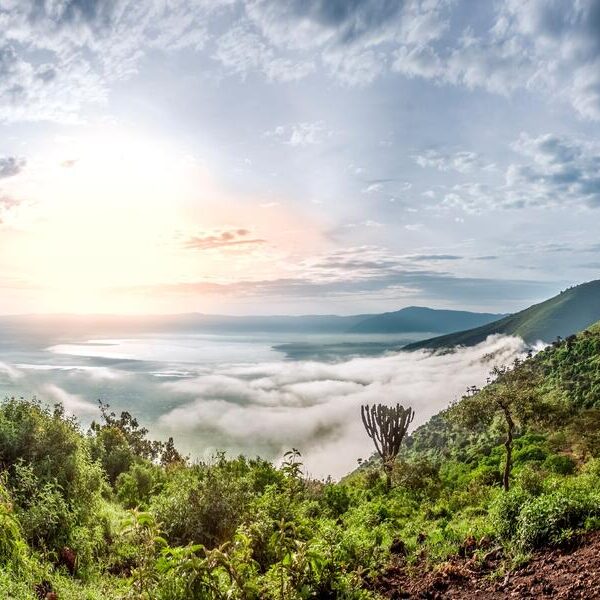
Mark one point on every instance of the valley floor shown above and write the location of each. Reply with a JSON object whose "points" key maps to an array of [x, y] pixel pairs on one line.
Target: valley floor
{"points": [[562, 574]]}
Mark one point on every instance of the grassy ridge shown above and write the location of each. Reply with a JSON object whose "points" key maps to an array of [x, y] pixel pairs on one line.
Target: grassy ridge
{"points": [[570, 311]]}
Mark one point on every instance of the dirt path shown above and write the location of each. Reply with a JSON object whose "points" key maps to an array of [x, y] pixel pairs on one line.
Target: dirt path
{"points": [[562, 574]]}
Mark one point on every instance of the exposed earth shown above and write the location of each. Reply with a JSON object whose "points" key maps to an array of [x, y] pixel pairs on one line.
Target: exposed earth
{"points": [[561, 573]]}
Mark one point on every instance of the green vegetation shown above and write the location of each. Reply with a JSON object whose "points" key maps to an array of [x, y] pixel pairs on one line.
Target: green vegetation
{"points": [[107, 513], [572, 310]]}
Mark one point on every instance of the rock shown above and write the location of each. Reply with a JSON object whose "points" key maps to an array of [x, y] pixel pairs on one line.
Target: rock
{"points": [[68, 558], [398, 547]]}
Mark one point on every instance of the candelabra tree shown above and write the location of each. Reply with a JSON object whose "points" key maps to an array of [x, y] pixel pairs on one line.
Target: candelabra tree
{"points": [[387, 426]]}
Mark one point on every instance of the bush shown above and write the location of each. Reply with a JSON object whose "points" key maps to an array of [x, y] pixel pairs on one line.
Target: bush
{"points": [[531, 480], [560, 463], [505, 511], [529, 453], [13, 549], [205, 504], [550, 517], [135, 487], [337, 499], [111, 448]]}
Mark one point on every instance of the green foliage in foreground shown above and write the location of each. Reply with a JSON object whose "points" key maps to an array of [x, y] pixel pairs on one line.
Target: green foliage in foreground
{"points": [[108, 513]]}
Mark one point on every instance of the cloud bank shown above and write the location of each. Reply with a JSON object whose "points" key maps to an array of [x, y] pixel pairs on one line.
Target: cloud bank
{"points": [[261, 408], [269, 408]]}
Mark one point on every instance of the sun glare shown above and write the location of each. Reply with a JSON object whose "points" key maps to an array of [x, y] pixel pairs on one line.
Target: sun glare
{"points": [[111, 213]]}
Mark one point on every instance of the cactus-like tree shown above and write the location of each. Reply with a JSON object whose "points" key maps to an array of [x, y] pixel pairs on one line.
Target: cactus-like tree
{"points": [[387, 426]]}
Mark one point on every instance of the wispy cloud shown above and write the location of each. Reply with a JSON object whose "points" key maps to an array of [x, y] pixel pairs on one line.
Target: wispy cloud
{"points": [[242, 50], [73, 404], [300, 134], [461, 161], [367, 271], [549, 170], [57, 57], [223, 239]]}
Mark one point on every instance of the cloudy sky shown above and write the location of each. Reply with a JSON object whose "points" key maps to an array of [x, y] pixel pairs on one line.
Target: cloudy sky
{"points": [[292, 156]]}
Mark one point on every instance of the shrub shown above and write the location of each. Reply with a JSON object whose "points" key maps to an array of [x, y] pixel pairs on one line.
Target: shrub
{"points": [[205, 504], [337, 499], [505, 511], [560, 463], [529, 453], [135, 487], [13, 549], [531, 480], [111, 448], [546, 519]]}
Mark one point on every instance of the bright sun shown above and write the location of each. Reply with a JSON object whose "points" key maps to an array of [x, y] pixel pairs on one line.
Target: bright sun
{"points": [[108, 217]]}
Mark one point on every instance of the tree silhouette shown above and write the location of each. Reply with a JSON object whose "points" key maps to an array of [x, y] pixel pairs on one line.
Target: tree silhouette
{"points": [[387, 426]]}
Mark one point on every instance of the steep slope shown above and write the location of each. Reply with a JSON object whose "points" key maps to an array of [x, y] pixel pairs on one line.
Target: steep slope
{"points": [[571, 571], [570, 311], [548, 511], [418, 318]]}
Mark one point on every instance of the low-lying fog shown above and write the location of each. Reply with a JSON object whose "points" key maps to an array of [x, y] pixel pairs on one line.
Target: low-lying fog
{"points": [[237, 394]]}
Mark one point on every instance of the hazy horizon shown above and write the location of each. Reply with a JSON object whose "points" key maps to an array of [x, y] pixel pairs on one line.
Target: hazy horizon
{"points": [[233, 315]]}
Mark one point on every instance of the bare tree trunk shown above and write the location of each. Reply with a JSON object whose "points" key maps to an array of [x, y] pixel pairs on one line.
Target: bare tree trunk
{"points": [[387, 467], [510, 426]]}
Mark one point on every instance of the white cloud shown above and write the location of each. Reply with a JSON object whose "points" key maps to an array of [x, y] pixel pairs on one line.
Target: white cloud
{"points": [[58, 57], [462, 161], [11, 372], [560, 170], [242, 50], [301, 134], [349, 39], [271, 407], [372, 188], [72, 403], [539, 45], [548, 170]]}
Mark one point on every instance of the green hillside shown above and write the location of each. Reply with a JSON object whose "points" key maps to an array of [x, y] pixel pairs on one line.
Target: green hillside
{"points": [[418, 319], [108, 513], [570, 311]]}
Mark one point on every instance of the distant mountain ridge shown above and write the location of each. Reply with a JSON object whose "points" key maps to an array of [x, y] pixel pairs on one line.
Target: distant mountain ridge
{"points": [[570, 311], [418, 318], [412, 319]]}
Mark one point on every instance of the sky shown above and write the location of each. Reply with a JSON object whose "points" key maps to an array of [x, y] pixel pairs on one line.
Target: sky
{"points": [[296, 156]]}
